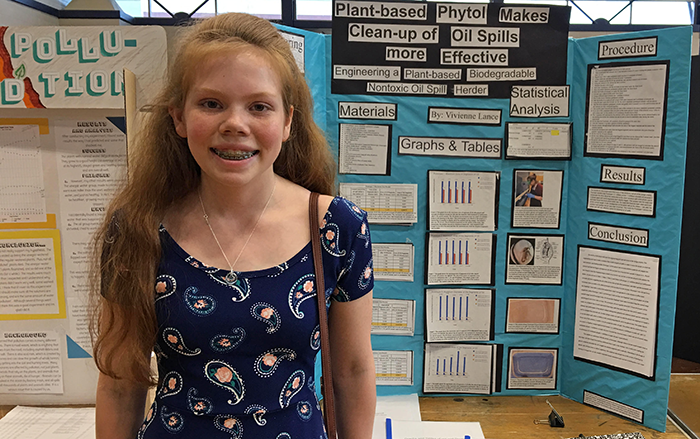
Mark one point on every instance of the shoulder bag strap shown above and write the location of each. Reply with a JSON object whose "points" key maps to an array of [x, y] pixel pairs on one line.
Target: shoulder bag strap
{"points": [[326, 377]]}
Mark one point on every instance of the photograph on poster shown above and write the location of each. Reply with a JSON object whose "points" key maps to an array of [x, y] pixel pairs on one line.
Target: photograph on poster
{"points": [[393, 316], [463, 200], [624, 201], [536, 199], [532, 368], [393, 368], [384, 203], [538, 140], [617, 303], [364, 149], [532, 315], [460, 368], [460, 258], [459, 314], [626, 110], [393, 262], [534, 259]]}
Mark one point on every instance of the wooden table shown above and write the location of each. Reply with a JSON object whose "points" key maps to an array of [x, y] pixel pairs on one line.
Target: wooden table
{"points": [[504, 417]]}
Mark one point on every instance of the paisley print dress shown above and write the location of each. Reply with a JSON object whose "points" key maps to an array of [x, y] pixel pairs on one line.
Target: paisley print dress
{"points": [[237, 360]]}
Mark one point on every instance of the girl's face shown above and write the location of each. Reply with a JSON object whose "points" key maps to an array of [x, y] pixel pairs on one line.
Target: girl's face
{"points": [[234, 118]]}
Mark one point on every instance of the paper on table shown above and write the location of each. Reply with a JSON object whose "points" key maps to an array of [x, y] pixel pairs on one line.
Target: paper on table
{"points": [[48, 423], [435, 430], [396, 407]]}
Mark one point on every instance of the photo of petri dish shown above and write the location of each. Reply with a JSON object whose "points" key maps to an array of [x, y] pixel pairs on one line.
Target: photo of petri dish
{"points": [[522, 252]]}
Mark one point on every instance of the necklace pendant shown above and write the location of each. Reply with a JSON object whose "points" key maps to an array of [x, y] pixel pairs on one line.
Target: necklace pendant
{"points": [[231, 278]]}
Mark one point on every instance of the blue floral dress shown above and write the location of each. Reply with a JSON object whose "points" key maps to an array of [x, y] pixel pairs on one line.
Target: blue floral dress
{"points": [[237, 360]]}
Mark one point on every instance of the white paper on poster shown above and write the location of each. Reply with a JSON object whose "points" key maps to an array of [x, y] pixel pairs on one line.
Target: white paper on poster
{"points": [[393, 317], [537, 198], [22, 195], [30, 362], [462, 200], [79, 318], [460, 258], [458, 368], [393, 261], [364, 149], [458, 314], [48, 423], [393, 368], [28, 276], [626, 110], [296, 44], [539, 140], [384, 203], [535, 259], [629, 202], [617, 297], [91, 161]]}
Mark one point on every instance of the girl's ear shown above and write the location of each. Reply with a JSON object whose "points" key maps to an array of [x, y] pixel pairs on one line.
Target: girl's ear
{"points": [[287, 124], [178, 121]]}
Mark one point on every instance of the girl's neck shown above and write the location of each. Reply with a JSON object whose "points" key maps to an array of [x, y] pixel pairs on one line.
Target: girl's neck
{"points": [[248, 199]]}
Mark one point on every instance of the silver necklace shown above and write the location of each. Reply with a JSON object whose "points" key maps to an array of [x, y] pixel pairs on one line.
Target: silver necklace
{"points": [[232, 277]]}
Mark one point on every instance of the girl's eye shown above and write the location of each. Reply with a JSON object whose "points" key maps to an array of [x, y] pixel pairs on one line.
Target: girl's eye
{"points": [[259, 107], [210, 105]]}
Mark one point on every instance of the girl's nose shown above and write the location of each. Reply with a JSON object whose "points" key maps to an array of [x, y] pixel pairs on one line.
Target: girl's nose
{"points": [[235, 122]]}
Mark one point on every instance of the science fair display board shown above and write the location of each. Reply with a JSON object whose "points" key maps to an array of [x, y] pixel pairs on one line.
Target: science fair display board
{"points": [[523, 191], [63, 153]]}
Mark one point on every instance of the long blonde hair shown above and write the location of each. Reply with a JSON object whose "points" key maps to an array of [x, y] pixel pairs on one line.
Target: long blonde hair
{"points": [[126, 248]]}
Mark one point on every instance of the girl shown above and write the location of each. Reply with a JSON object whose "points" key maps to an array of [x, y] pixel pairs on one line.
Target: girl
{"points": [[205, 257]]}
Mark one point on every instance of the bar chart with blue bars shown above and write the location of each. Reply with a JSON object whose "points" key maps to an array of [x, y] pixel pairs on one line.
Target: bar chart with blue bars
{"points": [[452, 194], [462, 200], [458, 314], [453, 251], [465, 368], [459, 258]]}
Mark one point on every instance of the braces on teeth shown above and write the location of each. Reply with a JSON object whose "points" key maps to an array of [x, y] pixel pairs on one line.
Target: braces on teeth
{"points": [[234, 155]]}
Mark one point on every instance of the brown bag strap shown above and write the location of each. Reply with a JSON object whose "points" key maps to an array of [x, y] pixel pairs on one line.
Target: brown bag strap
{"points": [[326, 377]]}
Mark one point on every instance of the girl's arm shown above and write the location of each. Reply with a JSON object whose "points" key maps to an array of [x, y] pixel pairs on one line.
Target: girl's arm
{"points": [[353, 367], [119, 409]]}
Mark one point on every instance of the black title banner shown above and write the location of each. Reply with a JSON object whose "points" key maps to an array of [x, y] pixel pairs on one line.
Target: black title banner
{"points": [[446, 49]]}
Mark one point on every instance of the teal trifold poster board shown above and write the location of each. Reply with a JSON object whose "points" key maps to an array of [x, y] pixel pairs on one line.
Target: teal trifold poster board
{"points": [[577, 298]]}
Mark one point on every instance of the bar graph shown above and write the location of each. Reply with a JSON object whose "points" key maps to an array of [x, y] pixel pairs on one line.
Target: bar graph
{"points": [[453, 307], [452, 365], [460, 368], [451, 193], [453, 252]]}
